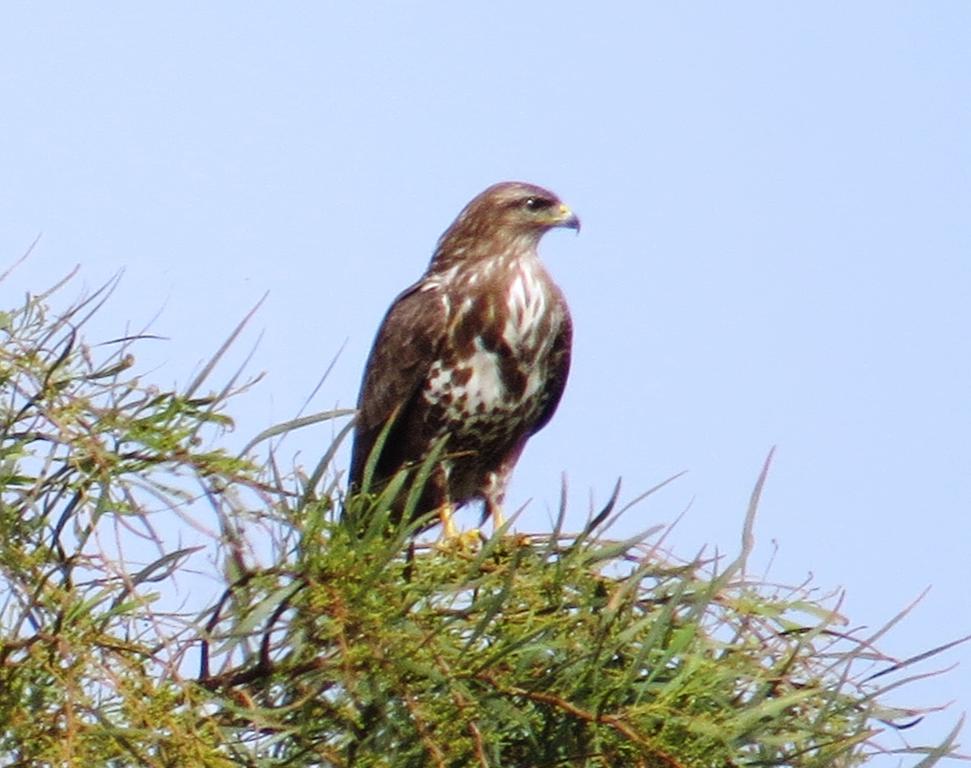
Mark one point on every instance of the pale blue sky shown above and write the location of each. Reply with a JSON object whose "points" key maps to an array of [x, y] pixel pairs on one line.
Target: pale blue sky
{"points": [[776, 246]]}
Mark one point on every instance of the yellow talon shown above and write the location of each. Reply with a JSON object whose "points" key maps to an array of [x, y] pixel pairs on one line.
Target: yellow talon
{"points": [[452, 538]]}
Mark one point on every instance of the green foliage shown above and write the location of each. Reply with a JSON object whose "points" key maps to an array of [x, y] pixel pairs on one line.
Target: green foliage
{"points": [[316, 642]]}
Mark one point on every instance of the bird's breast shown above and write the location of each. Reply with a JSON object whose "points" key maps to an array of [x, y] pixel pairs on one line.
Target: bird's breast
{"points": [[491, 376], [527, 299]]}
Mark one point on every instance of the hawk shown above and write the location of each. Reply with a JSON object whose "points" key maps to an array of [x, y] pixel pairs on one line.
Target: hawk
{"points": [[476, 352]]}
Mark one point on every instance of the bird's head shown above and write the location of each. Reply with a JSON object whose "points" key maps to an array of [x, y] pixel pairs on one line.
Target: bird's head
{"points": [[506, 217], [520, 207]]}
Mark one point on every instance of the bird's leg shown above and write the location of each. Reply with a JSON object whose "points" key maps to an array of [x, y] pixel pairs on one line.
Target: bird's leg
{"points": [[445, 514], [494, 493], [446, 509], [494, 510]]}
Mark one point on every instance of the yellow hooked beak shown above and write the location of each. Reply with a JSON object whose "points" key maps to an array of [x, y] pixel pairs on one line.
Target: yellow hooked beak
{"points": [[563, 217]]}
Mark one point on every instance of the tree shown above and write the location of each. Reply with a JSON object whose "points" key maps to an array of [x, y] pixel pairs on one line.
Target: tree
{"points": [[330, 646]]}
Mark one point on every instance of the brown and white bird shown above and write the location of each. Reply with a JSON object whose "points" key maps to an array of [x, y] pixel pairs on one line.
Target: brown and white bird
{"points": [[477, 352]]}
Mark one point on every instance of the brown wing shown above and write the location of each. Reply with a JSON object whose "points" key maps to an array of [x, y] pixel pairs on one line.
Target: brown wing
{"points": [[407, 344], [559, 364]]}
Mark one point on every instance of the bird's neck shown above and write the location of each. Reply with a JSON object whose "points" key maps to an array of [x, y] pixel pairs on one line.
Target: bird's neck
{"points": [[456, 252]]}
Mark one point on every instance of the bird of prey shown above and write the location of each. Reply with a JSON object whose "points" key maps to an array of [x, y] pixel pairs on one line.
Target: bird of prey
{"points": [[476, 352]]}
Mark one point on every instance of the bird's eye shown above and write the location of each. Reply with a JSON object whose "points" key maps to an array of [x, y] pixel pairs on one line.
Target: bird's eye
{"points": [[537, 203]]}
